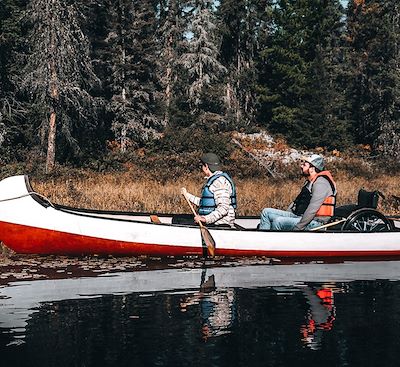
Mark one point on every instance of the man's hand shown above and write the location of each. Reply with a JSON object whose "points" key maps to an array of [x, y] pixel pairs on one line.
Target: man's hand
{"points": [[199, 218], [184, 191]]}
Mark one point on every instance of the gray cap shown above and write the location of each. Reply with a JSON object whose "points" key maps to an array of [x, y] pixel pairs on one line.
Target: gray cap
{"points": [[316, 160], [212, 160]]}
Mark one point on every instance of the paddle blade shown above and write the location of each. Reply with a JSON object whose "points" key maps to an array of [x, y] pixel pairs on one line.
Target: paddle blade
{"points": [[208, 240]]}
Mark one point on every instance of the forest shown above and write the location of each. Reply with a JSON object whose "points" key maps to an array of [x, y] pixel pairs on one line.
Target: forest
{"points": [[82, 81]]}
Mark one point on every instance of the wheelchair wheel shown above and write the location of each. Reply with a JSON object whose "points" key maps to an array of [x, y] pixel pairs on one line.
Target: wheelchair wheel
{"points": [[367, 220]]}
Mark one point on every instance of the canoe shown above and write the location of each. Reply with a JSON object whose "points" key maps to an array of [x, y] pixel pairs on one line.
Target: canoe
{"points": [[30, 224]]}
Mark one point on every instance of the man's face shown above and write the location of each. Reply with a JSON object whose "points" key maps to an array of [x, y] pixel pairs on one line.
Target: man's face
{"points": [[305, 168], [204, 167]]}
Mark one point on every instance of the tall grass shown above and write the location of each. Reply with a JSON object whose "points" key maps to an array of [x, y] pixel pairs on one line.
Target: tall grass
{"points": [[127, 192]]}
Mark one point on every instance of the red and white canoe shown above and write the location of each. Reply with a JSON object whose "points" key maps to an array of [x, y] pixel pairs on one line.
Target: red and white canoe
{"points": [[30, 225]]}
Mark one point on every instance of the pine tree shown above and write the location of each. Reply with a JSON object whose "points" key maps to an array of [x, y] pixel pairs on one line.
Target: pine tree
{"points": [[57, 73], [373, 33], [389, 132], [10, 108], [244, 23], [282, 72], [132, 63], [323, 109], [299, 75], [200, 57], [170, 36]]}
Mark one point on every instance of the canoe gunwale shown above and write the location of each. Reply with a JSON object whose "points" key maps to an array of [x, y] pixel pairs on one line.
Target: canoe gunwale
{"points": [[93, 213]]}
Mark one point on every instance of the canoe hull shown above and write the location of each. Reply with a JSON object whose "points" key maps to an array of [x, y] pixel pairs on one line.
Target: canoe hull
{"points": [[29, 226], [30, 240]]}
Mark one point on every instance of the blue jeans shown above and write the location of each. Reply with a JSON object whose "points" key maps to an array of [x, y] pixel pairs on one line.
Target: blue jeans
{"points": [[282, 220]]}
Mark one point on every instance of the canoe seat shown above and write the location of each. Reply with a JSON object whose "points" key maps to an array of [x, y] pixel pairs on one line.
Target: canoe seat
{"points": [[184, 219], [154, 219]]}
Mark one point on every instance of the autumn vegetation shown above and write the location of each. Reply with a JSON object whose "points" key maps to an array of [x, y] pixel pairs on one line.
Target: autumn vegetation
{"points": [[138, 189]]}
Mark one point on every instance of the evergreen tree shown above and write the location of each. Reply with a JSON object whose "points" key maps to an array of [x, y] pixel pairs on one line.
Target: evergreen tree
{"points": [[389, 132], [133, 64], [244, 23], [373, 33], [11, 109], [200, 60], [323, 109], [282, 71], [57, 73], [170, 36], [300, 75]]}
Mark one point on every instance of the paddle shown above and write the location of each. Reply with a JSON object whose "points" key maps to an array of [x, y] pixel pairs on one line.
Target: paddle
{"points": [[328, 224], [205, 234]]}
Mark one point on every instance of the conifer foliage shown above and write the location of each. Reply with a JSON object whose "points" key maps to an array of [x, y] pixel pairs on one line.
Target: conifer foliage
{"points": [[200, 57], [301, 71], [132, 63], [57, 73], [373, 41], [245, 22], [84, 77], [170, 34]]}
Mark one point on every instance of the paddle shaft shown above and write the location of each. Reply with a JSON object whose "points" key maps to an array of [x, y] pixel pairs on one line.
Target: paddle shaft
{"points": [[205, 234], [390, 217], [328, 224], [393, 217], [191, 207]]}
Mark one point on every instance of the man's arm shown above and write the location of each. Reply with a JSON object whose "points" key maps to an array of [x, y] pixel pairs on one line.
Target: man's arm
{"points": [[193, 199], [321, 189]]}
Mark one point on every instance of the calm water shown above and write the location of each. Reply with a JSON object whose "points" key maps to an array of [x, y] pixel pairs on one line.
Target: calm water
{"points": [[270, 315]]}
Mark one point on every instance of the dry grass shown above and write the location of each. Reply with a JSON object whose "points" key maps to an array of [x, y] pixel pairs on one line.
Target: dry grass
{"points": [[127, 192]]}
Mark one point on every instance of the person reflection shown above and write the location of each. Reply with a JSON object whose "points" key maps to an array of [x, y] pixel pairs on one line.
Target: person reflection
{"points": [[320, 316], [217, 308]]}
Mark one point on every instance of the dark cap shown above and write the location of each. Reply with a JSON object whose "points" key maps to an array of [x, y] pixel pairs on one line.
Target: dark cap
{"points": [[212, 160]]}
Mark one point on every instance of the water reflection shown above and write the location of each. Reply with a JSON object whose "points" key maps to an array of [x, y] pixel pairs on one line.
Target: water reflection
{"points": [[344, 314], [217, 307], [320, 316]]}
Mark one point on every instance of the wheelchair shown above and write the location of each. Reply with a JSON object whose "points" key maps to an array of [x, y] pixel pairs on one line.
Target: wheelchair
{"points": [[363, 216]]}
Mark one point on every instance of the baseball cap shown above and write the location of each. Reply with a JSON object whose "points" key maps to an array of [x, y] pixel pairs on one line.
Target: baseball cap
{"points": [[315, 160], [212, 161]]}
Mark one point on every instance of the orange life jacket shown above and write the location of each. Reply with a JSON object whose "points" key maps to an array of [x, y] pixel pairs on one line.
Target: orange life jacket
{"points": [[328, 206], [303, 199]]}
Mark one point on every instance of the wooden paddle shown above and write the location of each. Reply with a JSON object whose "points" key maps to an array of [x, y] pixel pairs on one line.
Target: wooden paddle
{"points": [[328, 224], [205, 234]]}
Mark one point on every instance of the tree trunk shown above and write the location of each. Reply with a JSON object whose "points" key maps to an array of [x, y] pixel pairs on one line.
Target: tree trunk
{"points": [[51, 140], [51, 143], [228, 96], [124, 139], [168, 88]]}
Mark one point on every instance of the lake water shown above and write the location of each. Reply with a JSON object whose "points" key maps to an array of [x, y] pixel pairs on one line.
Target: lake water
{"points": [[345, 314]]}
